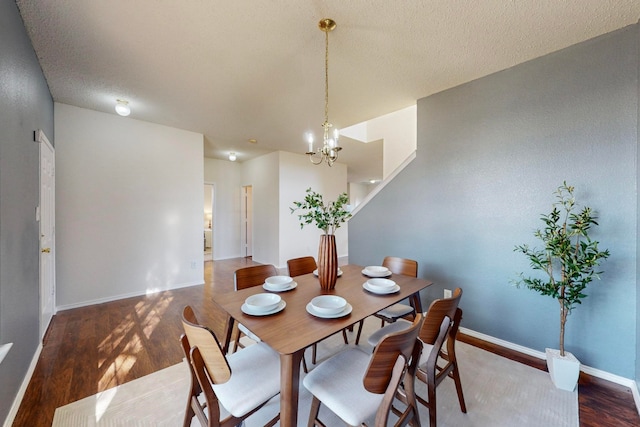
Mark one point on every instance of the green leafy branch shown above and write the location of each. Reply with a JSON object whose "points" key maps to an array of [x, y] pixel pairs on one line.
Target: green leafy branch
{"points": [[327, 218]]}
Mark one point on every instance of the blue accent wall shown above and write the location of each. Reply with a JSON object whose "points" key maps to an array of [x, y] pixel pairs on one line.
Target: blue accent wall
{"points": [[25, 106], [490, 154]]}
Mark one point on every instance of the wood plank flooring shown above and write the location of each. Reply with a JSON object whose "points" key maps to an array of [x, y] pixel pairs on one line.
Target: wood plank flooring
{"points": [[90, 349]]}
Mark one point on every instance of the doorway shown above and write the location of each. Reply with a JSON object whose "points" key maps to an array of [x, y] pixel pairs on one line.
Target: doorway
{"points": [[46, 217], [209, 192], [246, 232]]}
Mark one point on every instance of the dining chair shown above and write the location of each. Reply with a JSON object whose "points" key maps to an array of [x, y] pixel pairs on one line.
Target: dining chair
{"points": [[227, 384], [248, 277], [358, 386], [298, 267], [429, 371], [406, 267], [302, 265]]}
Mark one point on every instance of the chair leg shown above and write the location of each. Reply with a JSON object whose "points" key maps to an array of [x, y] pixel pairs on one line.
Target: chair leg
{"points": [[432, 404], [313, 413], [344, 336], [360, 324], [188, 416], [429, 380], [304, 365], [455, 374], [314, 350], [236, 340]]}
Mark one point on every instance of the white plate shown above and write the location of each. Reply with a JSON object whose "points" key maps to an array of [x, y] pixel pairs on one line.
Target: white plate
{"points": [[394, 289], [315, 272], [375, 274], [278, 281], [250, 312], [268, 287], [344, 312], [328, 304], [263, 302]]}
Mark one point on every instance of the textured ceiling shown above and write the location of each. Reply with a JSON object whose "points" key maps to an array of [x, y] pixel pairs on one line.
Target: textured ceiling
{"points": [[255, 69]]}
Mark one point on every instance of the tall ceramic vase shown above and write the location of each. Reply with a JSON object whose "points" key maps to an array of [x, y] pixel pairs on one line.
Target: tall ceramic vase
{"points": [[327, 262]]}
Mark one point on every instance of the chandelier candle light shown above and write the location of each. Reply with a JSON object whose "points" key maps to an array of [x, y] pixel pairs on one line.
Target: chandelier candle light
{"points": [[330, 148]]}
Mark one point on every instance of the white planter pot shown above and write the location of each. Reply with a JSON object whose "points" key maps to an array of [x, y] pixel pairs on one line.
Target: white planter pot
{"points": [[564, 371]]}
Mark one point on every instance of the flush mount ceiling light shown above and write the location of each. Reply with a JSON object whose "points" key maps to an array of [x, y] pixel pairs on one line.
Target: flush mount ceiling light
{"points": [[329, 150], [232, 156], [122, 107]]}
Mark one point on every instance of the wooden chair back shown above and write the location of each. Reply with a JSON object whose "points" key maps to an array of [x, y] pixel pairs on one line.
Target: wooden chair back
{"points": [[392, 346], [302, 265], [203, 338], [189, 315], [248, 277], [404, 266], [436, 312], [209, 413]]}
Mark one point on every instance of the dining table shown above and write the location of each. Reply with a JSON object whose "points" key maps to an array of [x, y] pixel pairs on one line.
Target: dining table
{"points": [[293, 329]]}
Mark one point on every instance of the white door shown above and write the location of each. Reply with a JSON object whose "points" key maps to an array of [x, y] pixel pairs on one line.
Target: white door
{"points": [[47, 232], [247, 221]]}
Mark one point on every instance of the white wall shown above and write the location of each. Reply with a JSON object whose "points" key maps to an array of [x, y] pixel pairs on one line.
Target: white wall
{"points": [[128, 207], [296, 175], [226, 176], [399, 131], [262, 174], [359, 191]]}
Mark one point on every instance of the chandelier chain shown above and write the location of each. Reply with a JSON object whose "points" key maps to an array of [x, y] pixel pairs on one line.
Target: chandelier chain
{"points": [[326, 77], [329, 150]]}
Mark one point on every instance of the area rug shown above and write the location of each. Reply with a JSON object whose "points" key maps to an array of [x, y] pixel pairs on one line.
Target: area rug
{"points": [[498, 393]]}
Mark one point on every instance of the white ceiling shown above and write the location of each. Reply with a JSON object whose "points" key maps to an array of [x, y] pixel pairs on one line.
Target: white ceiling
{"points": [[237, 70]]}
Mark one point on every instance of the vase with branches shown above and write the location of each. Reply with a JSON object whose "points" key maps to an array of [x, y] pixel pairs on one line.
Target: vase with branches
{"points": [[328, 218]]}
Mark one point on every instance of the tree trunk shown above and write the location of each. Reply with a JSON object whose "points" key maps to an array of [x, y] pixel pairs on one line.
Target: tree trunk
{"points": [[563, 320]]}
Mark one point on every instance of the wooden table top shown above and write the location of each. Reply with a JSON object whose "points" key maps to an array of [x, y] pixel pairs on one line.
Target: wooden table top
{"points": [[294, 329]]}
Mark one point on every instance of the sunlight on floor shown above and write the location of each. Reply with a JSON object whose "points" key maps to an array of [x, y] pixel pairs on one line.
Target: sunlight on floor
{"points": [[120, 349], [152, 316]]}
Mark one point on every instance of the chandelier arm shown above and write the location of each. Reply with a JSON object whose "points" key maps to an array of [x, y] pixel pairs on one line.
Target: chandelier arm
{"points": [[316, 154]]}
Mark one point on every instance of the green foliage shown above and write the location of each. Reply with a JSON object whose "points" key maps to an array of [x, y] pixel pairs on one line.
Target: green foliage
{"points": [[326, 217], [569, 258]]}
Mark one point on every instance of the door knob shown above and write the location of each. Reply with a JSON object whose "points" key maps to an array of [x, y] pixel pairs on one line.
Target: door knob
{"points": [[46, 250]]}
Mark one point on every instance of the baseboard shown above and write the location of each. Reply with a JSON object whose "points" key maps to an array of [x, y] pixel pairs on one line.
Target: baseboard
{"points": [[541, 355], [13, 411], [636, 396], [123, 296]]}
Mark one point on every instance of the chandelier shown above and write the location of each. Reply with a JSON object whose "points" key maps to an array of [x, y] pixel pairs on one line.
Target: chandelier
{"points": [[330, 148]]}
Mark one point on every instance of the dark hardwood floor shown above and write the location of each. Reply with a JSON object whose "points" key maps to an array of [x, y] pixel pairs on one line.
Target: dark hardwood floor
{"points": [[90, 349]]}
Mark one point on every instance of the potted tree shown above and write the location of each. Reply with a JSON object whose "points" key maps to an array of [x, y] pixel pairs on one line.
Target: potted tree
{"points": [[328, 218], [568, 261]]}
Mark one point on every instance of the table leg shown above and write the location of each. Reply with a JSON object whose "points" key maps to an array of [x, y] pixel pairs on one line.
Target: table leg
{"points": [[228, 333], [416, 303], [289, 388]]}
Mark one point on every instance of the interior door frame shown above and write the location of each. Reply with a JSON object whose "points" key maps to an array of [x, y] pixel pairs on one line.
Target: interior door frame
{"points": [[246, 221], [213, 216], [46, 219]]}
